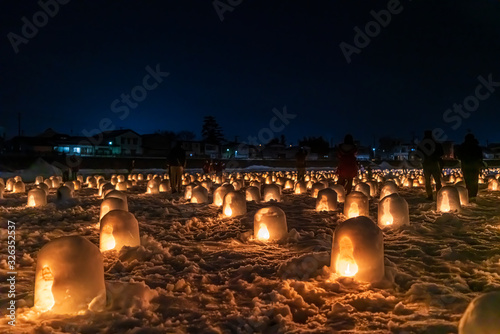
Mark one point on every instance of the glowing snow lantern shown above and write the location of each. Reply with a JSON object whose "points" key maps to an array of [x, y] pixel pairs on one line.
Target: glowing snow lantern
{"points": [[207, 184], [19, 187], [39, 179], [326, 200], [112, 203], [237, 184], [140, 177], [300, 187], [358, 250], [317, 187], [272, 192], [448, 199], [188, 191], [44, 187], [9, 185], [252, 194], [463, 194], [153, 187], [364, 188], [77, 185], [288, 184], [388, 188], [69, 275], [121, 186], [18, 178], [64, 193], [105, 187], [92, 182], [356, 204], [220, 192], [37, 197], [165, 186], [270, 224], [48, 183], [2, 189], [119, 228], [234, 204], [481, 316], [117, 194], [256, 184], [339, 189], [199, 195], [493, 185], [393, 211]]}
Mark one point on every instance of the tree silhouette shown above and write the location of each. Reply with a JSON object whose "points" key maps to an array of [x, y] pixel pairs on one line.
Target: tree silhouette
{"points": [[211, 131]]}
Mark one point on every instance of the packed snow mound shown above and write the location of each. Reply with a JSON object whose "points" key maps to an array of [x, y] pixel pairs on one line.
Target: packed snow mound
{"points": [[482, 315], [38, 167]]}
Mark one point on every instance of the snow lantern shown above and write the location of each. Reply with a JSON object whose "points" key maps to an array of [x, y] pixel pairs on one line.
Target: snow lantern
{"points": [[448, 199], [364, 188], [140, 177], [48, 183], [18, 178], [220, 192], [270, 224], [69, 275], [117, 194], [237, 184], [199, 195], [70, 185], [256, 184], [300, 187], [2, 189], [252, 194], [207, 184], [37, 197], [121, 186], [121, 178], [64, 193], [39, 179], [393, 211], [326, 200], [77, 185], [463, 194], [92, 182], [234, 204], [103, 188], [356, 204], [493, 185], [481, 316], [153, 187], [288, 184], [112, 203], [44, 187], [339, 189], [118, 228], [317, 187], [272, 192], [9, 185], [373, 188], [358, 250], [188, 191], [165, 186], [388, 188], [19, 187]]}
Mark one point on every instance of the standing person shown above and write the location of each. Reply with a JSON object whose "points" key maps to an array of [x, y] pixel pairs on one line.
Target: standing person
{"points": [[300, 158], [348, 165], [431, 152], [471, 159], [206, 167], [176, 162]]}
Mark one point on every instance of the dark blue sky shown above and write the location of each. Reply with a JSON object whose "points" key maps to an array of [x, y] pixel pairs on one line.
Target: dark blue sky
{"points": [[264, 55]]}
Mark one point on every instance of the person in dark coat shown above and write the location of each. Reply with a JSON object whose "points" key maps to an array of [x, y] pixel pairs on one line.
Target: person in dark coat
{"points": [[348, 165], [471, 159], [431, 152], [176, 162], [206, 167], [300, 157]]}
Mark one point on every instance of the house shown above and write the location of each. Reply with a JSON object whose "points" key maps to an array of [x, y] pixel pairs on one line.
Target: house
{"points": [[121, 142], [200, 149]]}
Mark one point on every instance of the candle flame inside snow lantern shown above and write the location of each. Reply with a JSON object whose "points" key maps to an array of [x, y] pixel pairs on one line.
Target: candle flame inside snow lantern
{"points": [[234, 204], [393, 211], [153, 187], [358, 250], [356, 204], [326, 200], [69, 275], [270, 224], [493, 185], [448, 199], [300, 187], [37, 197], [119, 228]]}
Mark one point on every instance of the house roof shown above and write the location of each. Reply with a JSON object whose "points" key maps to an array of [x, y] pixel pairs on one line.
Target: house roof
{"points": [[116, 133]]}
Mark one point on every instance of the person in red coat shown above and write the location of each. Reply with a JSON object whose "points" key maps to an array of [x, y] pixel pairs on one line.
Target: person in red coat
{"points": [[348, 165]]}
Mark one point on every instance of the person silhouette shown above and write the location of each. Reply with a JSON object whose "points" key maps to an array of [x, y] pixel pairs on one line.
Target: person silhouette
{"points": [[431, 152], [348, 165], [471, 159]]}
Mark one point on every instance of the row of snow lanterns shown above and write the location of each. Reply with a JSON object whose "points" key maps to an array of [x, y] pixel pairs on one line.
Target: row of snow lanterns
{"points": [[66, 264]]}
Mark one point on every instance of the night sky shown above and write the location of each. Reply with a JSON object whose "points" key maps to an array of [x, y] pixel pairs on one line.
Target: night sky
{"points": [[263, 55]]}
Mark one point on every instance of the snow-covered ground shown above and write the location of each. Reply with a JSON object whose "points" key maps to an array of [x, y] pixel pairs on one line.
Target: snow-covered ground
{"points": [[197, 271]]}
